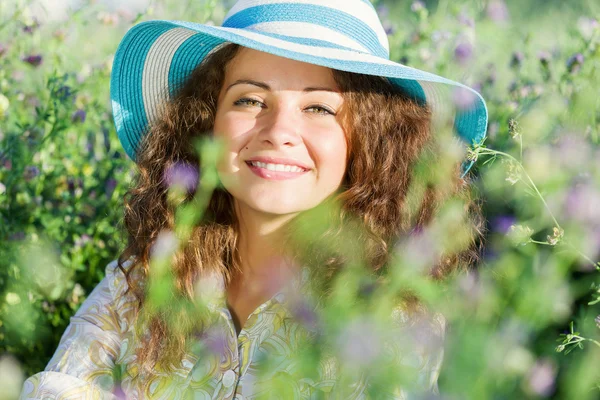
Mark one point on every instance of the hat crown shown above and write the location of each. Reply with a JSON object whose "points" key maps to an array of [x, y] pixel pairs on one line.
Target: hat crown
{"points": [[345, 24]]}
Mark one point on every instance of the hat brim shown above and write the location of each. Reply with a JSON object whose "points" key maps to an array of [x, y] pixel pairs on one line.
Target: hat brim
{"points": [[155, 57]]}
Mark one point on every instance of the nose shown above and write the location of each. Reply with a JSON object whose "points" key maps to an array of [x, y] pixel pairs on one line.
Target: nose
{"points": [[281, 127]]}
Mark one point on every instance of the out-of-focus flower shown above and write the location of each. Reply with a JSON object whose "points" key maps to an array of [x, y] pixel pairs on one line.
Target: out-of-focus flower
{"points": [[497, 11], [34, 60], [597, 321], [78, 116], [119, 393], [359, 343], [544, 58], [587, 27], [463, 98], [165, 244], [463, 52], [503, 223], [2, 188], [542, 377], [31, 172], [64, 93], [517, 59], [383, 11], [574, 63], [182, 175], [4, 104], [81, 241], [305, 314], [215, 339], [520, 234], [581, 204], [417, 6], [30, 28], [389, 27]]}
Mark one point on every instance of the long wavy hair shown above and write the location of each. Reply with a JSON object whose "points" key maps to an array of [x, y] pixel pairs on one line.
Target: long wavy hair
{"points": [[387, 133]]}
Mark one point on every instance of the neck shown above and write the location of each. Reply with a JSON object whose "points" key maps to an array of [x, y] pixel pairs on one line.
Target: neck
{"points": [[260, 244]]}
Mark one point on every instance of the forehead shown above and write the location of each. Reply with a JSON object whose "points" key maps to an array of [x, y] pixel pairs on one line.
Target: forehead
{"points": [[253, 64]]}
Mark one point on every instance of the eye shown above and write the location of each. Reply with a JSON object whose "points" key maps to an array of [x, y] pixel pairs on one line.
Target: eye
{"points": [[323, 110], [246, 100]]}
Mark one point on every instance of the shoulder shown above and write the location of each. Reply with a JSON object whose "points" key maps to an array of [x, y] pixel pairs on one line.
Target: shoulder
{"points": [[123, 301], [115, 277]]}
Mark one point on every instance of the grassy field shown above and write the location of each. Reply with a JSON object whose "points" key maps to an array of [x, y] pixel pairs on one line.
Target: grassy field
{"points": [[526, 325]]}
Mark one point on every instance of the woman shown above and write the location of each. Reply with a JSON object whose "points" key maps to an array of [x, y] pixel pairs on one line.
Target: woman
{"points": [[317, 127]]}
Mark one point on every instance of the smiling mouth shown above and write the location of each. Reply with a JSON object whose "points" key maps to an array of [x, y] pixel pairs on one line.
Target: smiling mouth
{"points": [[274, 172], [277, 167]]}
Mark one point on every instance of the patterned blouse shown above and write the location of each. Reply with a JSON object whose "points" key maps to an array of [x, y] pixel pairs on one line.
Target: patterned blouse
{"points": [[100, 340]]}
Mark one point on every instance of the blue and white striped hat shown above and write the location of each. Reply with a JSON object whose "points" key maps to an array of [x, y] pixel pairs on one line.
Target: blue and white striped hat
{"points": [[155, 57]]}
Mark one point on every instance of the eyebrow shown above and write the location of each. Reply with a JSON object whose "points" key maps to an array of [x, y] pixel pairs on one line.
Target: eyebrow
{"points": [[264, 86]]}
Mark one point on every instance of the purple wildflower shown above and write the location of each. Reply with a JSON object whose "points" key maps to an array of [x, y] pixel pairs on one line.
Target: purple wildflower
{"points": [[80, 242], [78, 116], [463, 98], [497, 11], [383, 11], [31, 28], [109, 187], [359, 343], [305, 314], [502, 223], [183, 175], [64, 93], [34, 60], [544, 58], [463, 52], [30, 172], [581, 204], [542, 377], [389, 28], [574, 63]]}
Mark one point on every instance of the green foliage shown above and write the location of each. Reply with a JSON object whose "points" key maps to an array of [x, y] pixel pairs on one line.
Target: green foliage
{"points": [[63, 176]]}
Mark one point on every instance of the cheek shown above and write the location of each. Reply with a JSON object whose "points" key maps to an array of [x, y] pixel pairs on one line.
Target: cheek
{"points": [[233, 133], [332, 154]]}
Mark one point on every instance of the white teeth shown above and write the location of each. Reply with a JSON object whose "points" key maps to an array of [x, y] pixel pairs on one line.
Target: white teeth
{"points": [[277, 167]]}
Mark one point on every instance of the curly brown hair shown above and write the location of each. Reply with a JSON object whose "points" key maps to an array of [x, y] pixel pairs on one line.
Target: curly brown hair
{"points": [[387, 134]]}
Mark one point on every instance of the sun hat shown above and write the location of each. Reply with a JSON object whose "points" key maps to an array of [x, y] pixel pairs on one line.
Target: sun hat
{"points": [[155, 57]]}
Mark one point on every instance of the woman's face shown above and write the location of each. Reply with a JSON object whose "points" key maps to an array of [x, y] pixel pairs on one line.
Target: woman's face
{"points": [[282, 114]]}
